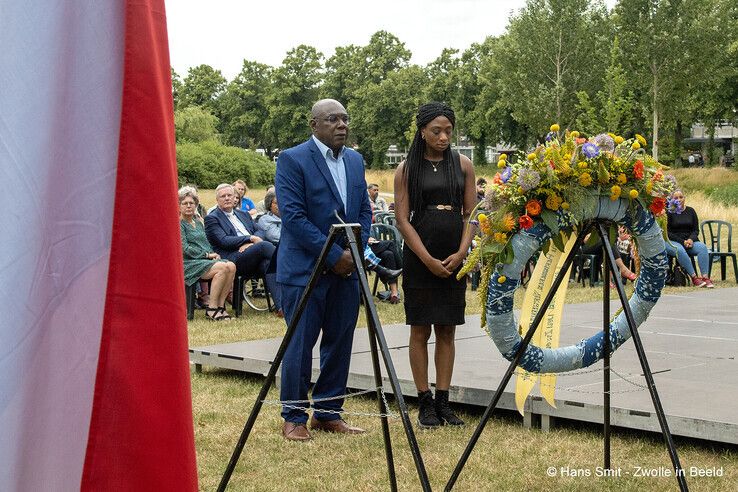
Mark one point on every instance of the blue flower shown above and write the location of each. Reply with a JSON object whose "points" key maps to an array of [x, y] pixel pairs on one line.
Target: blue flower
{"points": [[528, 179], [605, 142], [506, 174], [590, 150]]}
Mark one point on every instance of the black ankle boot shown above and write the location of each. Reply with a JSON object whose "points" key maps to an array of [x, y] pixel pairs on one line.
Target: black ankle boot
{"points": [[427, 417], [443, 410]]}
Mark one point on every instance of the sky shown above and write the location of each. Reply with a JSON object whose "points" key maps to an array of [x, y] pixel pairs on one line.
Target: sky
{"points": [[222, 33]]}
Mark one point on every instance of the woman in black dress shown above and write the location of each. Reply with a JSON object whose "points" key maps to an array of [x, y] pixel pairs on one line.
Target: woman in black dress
{"points": [[434, 195]]}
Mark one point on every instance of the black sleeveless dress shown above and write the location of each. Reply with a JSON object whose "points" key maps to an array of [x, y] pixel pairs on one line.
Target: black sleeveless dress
{"points": [[430, 299]]}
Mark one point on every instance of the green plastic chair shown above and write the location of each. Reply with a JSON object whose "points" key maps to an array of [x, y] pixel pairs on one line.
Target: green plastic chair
{"points": [[712, 236]]}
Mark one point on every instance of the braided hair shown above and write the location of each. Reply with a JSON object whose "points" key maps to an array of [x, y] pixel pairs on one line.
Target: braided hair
{"points": [[413, 170]]}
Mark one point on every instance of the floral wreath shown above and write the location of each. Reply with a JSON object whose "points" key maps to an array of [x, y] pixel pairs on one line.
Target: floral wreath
{"points": [[542, 199]]}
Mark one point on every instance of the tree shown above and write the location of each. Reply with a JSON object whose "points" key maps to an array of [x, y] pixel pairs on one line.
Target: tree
{"points": [[444, 78], [295, 88], [343, 74], [655, 47], [195, 124], [243, 106], [202, 87], [176, 88], [382, 112], [552, 50], [612, 108]]}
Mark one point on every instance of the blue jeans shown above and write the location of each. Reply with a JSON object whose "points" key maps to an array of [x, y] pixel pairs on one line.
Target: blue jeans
{"points": [[682, 254]]}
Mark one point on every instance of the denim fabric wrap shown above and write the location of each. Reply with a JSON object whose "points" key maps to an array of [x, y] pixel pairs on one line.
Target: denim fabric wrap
{"points": [[503, 328]]}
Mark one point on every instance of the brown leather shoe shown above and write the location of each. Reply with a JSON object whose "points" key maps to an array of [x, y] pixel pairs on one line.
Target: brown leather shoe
{"points": [[295, 432], [338, 425]]}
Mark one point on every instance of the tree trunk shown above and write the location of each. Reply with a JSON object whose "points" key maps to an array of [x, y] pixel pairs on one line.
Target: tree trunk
{"points": [[678, 143], [655, 143], [480, 152]]}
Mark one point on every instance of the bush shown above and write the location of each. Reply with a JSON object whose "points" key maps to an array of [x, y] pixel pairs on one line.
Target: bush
{"points": [[207, 164]]}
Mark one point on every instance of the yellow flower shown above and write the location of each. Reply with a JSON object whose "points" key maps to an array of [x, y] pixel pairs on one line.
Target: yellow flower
{"points": [[508, 222], [520, 190], [582, 165], [649, 187], [615, 192], [553, 202], [633, 194], [641, 140], [482, 218], [532, 156], [574, 134], [500, 237], [612, 135], [635, 146], [501, 279], [618, 139], [565, 205], [501, 164], [585, 179], [555, 127], [622, 178], [503, 157]]}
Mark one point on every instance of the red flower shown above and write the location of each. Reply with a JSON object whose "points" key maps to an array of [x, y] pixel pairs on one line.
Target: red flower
{"points": [[551, 164], [525, 222], [638, 169], [657, 206], [498, 179]]}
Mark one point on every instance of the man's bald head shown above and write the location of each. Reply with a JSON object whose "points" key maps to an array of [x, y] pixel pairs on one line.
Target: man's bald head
{"points": [[329, 122]]}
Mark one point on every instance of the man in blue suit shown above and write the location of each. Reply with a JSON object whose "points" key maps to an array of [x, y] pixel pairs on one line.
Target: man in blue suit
{"points": [[315, 180], [234, 236]]}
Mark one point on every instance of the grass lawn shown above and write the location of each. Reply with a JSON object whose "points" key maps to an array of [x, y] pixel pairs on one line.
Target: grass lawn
{"points": [[507, 456]]}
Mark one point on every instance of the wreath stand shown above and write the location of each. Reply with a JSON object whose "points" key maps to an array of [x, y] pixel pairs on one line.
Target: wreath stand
{"points": [[376, 336], [600, 227]]}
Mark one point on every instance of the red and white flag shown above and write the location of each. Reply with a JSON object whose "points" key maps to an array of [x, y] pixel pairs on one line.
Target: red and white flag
{"points": [[94, 378]]}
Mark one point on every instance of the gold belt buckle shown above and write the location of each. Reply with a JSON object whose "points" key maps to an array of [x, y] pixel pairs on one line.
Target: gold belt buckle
{"points": [[444, 207]]}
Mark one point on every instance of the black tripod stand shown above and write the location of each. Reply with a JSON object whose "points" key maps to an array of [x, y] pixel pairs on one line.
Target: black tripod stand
{"points": [[600, 228], [376, 335]]}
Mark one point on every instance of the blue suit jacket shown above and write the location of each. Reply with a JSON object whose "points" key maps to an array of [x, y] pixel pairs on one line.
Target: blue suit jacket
{"points": [[308, 198], [222, 235]]}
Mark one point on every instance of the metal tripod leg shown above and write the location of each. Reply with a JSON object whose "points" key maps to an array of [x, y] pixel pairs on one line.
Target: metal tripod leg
{"points": [[563, 273], [375, 330], [610, 259], [314, 277]]}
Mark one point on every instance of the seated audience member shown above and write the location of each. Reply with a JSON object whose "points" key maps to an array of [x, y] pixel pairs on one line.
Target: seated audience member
{"points": [[596, 249], [271, 223], [200, 261], [385, 252], [234, 236], [378, 203], [683, 229], [261, 208], [244, 203], [481, 189]]}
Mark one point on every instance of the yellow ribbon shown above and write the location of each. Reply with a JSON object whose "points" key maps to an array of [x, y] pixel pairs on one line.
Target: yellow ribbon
{"points": [[547, 334]]}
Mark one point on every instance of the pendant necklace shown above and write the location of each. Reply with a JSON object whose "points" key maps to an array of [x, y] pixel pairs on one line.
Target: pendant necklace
{"points": [[435, 164]]}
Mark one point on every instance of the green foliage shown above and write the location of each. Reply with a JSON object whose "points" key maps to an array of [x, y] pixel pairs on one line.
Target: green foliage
{"points": [[195, 124], [202, 87], [176, 88], [295, 88], [727, 195], [243, 107], [209, 163]]}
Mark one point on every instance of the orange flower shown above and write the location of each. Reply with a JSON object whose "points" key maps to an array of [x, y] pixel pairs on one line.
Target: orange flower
{"points": [[498, 179], [525, 222], [657, 206], [638, 169], [533, 207], [508, 222]]}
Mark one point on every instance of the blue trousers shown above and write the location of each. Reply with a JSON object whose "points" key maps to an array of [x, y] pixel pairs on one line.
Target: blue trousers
{"points": [[682, 254], [333, 309]]}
